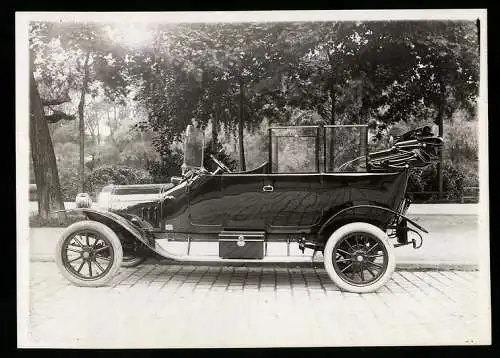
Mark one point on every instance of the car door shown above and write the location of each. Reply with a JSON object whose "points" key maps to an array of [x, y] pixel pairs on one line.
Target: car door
{"points": [[243, 202], [205, 201], [293, 199]]}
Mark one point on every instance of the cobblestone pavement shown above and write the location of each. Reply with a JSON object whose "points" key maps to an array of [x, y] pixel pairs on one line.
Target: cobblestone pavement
{"points": [[194, 306]]}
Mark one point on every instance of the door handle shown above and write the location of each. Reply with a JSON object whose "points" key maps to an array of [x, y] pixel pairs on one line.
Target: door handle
{"points": [[267, 188]]}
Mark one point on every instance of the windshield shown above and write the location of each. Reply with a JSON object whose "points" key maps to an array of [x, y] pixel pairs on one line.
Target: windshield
{"points": [[194, 143], [294, 149], [346, 148]]}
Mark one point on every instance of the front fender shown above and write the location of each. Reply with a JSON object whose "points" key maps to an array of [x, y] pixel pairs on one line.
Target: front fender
{"points": [[343, 211], [117, 223]]}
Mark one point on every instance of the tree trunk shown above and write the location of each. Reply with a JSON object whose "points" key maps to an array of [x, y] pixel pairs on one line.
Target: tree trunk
{"points": [[331, 141], [275, 157], [240, 129], [109, 122], [332, 130], [43, 157], [92, 130], [441, 111], [112, 125], [98, 133], [363, 119], [215, 130], [81, 107], [441, 132]]}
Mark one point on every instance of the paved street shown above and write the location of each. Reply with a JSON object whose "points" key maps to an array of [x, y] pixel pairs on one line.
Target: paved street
{"points": [[166, 305], [193, 306]]}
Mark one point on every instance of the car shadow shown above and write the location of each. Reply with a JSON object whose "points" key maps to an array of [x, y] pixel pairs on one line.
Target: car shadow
{"points": [[239, 276]]}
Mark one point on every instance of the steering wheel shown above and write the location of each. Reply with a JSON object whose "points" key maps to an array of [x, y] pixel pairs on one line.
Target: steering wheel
{"points": [[220, 164]]}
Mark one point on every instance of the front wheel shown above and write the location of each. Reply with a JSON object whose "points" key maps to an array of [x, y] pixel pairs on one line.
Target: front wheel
{"points": [[359, 258], [131, 260], [88, 253]]}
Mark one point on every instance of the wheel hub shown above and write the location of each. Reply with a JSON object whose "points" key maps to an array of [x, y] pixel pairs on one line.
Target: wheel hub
{"points": [[358, 256]]}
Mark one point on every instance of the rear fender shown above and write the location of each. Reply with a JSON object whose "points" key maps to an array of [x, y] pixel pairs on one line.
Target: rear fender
{"points": [[336, 220]]}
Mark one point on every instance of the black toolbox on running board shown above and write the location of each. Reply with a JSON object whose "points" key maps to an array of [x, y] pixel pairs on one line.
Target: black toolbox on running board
{"points": [[241, 244]]}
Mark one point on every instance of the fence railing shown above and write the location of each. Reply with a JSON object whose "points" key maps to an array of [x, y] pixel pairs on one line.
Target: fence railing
{"points": [[468, 195]]}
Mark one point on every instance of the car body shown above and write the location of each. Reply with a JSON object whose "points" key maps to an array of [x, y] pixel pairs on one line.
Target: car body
{"points": [[116, 197], [83, 200], [280, 211]]}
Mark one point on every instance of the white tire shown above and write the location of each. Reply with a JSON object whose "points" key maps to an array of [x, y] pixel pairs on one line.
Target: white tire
{"points": [[350, 253], [89, 253], [132, 261]]}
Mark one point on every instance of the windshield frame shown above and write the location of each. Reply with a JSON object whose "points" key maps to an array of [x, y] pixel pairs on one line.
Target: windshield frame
{"points": [[320, 144], [193, 131]]}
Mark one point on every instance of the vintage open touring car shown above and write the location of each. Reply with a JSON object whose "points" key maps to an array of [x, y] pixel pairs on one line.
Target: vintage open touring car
{"points": [[320, 190]]}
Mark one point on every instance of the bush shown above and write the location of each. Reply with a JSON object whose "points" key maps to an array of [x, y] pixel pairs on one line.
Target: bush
{"points": [[426, 179], [69, 184], [118, 175], [460, 164], [57, 220], [161, 171], [461, 147], [461, 139]]}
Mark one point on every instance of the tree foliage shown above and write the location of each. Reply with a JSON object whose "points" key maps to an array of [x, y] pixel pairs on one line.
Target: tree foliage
{"points": [[79, 57], [231, 78], [335, 72]]}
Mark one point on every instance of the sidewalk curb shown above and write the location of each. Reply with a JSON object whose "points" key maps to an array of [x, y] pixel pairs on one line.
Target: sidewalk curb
{"points": [[400, 266], [443, 209], [436, 266]]}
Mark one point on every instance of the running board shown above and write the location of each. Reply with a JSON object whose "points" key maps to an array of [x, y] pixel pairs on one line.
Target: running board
{"points": [[185, 256], [211, 253], [267, 259]]}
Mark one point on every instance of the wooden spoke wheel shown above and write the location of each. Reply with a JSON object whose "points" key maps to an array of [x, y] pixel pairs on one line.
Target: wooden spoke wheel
{"points": [[359, 258], [89, 253]]}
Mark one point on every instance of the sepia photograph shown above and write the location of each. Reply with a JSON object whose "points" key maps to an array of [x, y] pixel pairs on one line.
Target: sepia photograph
{"points": [[252, 179]]}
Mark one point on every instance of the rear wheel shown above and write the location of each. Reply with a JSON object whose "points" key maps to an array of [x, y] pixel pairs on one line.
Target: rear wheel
{"points": [[359, 258], [88, 253]]}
